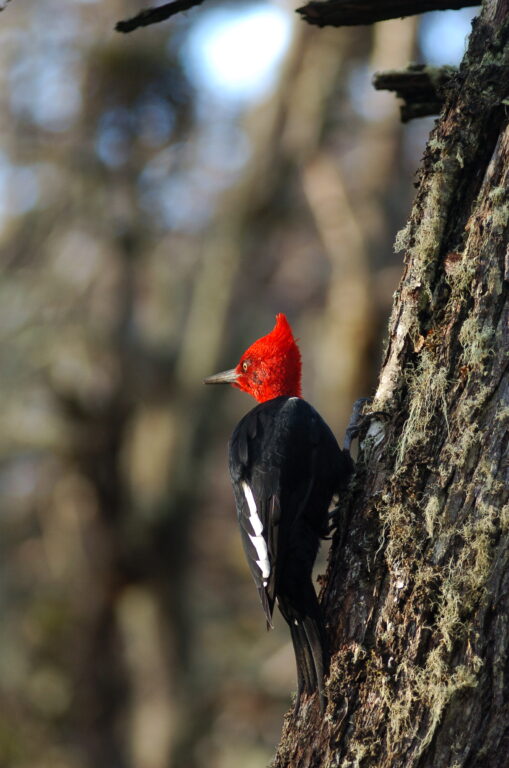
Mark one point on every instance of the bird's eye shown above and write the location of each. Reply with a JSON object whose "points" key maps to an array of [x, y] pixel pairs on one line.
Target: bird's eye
{"points": [[245, 366]]}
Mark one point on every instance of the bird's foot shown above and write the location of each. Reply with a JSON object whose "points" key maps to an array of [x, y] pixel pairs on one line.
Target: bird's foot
{"points": [[333, 521], [359, 420]]}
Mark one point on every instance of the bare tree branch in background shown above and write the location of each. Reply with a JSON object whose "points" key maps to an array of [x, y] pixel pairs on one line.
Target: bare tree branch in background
{"points": [[348, 13], [336, 13], [155, 15]]}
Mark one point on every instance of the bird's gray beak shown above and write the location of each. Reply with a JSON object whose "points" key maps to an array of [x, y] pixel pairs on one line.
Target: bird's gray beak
{"points": [[225, 377]]}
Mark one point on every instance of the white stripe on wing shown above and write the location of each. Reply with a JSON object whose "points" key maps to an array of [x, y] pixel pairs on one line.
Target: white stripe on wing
{"points": [[259, 542]]}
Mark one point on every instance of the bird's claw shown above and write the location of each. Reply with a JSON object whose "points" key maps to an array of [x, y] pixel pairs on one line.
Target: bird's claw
{"points": [[333, 522], [358, 420]]}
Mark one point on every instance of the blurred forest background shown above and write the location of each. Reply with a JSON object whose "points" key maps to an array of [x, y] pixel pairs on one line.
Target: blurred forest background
{"points": [[162, 196]]}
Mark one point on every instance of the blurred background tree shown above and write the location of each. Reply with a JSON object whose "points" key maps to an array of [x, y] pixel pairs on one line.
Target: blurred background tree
{"points": [[162, 196]]}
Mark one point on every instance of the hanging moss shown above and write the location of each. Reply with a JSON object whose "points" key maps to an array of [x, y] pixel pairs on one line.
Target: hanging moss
{"points": [[427, 387]]}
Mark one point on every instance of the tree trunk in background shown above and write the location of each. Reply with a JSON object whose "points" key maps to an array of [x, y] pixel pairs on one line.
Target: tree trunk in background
{"points": [[348, 207], [416, 595]]}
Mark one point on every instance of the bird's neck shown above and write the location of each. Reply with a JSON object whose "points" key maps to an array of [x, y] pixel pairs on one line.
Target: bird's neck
{"points": [[264, 393]]}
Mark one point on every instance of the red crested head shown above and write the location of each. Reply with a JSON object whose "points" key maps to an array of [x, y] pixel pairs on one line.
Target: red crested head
{"points": [[269, 368]]}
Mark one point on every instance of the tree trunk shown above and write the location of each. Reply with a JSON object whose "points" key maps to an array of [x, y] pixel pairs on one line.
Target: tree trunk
{"points": [[417, 591]]}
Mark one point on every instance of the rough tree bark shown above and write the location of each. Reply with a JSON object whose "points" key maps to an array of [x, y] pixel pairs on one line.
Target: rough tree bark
{"points": [[417, 590]]}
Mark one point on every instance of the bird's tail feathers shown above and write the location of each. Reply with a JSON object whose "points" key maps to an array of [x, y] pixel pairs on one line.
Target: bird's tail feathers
{"points": [[309, 643]]}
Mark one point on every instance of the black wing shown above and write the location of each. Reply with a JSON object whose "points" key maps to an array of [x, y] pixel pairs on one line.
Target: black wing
{"points": [[285, 466]]}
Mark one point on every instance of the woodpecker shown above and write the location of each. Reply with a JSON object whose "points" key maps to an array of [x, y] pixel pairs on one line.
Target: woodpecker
{"points": [[285, 468]]}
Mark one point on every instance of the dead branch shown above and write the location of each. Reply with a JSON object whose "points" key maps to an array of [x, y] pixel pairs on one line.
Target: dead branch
{"points": [[155, 15], [422, 88], [349, 13]]}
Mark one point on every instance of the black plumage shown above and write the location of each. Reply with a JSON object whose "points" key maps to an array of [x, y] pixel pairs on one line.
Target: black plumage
{"points": [[285, 466]]}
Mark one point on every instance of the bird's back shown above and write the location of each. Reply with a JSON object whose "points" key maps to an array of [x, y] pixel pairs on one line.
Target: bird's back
{"points": [[285, 466]]}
